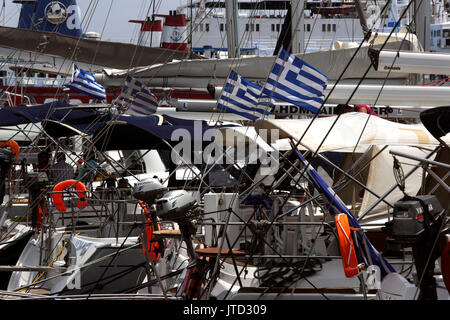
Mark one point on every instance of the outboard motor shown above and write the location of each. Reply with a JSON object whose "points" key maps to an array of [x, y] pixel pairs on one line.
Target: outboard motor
{"points": [[413, 216], [418, 221], [179, 206], [148, 190]]}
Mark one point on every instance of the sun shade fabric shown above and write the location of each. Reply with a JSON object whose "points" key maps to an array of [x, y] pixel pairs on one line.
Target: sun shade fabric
{"points": [[137, 132]]}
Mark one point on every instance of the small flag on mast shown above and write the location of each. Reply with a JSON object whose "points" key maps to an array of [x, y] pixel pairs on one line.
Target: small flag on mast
{"points": [[293, 80], [243, 97], [84, 82], [136, 98]]}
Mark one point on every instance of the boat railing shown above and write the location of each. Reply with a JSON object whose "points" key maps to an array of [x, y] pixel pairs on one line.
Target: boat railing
{"points": [[7, 98]]}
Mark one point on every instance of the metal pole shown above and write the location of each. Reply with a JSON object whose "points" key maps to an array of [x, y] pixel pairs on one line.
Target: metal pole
{"points": [[362, 17], [231, 7], [297, 26]]}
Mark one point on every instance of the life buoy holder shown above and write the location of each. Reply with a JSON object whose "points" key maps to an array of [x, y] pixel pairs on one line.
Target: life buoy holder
{"points": [[64, 185], [14, 146], [445, 263], [150, 226], [346, 247]]}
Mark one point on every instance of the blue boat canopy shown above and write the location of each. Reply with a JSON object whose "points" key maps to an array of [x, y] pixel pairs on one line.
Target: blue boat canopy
{"points": [[57, 111], [131, 133]]}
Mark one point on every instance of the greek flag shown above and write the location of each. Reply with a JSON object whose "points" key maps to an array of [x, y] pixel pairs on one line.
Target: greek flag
{"points": [[366, 251], [84, 82], [243, 97], [293, 80], [136, 98]]}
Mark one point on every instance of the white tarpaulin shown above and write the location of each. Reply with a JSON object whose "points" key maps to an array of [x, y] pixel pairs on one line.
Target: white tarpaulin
{"points": [[381, 178], [378, 132], [350, 128]]}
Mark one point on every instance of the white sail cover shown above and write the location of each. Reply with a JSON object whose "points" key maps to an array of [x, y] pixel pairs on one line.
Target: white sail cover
{"points": [[381, 178], [343, 137], [332, 63], [349, 128]]}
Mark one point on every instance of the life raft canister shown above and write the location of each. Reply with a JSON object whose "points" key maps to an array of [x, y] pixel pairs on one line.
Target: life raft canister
{"points": [[14, 146], [346, 247], [64, 185], [445, 263]]}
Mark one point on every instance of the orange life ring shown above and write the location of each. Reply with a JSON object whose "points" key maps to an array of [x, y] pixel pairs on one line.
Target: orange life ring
{"points": [[14, 146], [346, 247], [64, 185], [445, 264]]}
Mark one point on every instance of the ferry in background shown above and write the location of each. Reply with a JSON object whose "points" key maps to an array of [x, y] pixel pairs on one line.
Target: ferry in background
{"points": [[260, 24], [327, 24], [440, 27]]}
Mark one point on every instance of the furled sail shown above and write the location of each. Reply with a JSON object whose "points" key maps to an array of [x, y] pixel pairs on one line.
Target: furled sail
{"points": [[101, 53]]}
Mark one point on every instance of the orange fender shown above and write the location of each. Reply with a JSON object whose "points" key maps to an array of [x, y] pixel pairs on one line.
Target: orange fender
{"points": [[346, 247], [445, 264], [64, 185], [14, 146]]}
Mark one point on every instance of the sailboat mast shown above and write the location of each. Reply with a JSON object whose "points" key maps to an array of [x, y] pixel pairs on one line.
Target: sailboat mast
{"points": [[422, 10], [297, 26], [4, 14], [231, 8], [361, 16]]}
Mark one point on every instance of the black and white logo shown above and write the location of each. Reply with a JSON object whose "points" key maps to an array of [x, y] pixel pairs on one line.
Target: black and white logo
{"points": [[55, 12]]}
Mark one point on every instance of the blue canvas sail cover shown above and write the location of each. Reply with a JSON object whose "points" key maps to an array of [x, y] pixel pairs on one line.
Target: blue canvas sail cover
{"points": [[88, 125], [71, 126], [145, 132], [57, 110], [61, 16]]}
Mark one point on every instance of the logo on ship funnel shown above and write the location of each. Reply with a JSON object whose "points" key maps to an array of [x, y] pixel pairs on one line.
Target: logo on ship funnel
{"points": [[176, 35], [55, 12]]}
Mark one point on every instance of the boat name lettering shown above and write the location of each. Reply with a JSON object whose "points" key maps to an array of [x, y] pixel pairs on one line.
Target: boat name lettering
{"points": [[391, 68]]}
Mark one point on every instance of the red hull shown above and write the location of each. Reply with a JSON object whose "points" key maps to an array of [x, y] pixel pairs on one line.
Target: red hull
{"points": [[41, 95]]}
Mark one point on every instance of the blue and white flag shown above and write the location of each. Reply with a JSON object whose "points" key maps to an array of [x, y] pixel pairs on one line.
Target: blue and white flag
{"points": [[293, 80], [84, 82], [137, 98], [243, 97], [366, 253]]}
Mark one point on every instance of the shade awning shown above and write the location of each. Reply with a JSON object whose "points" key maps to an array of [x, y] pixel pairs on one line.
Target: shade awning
{"points": [[352, 132], [144, 132]]}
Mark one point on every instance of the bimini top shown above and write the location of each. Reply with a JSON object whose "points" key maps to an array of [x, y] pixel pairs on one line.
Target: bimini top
{"points": [[109, 131], [145, 132]]}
